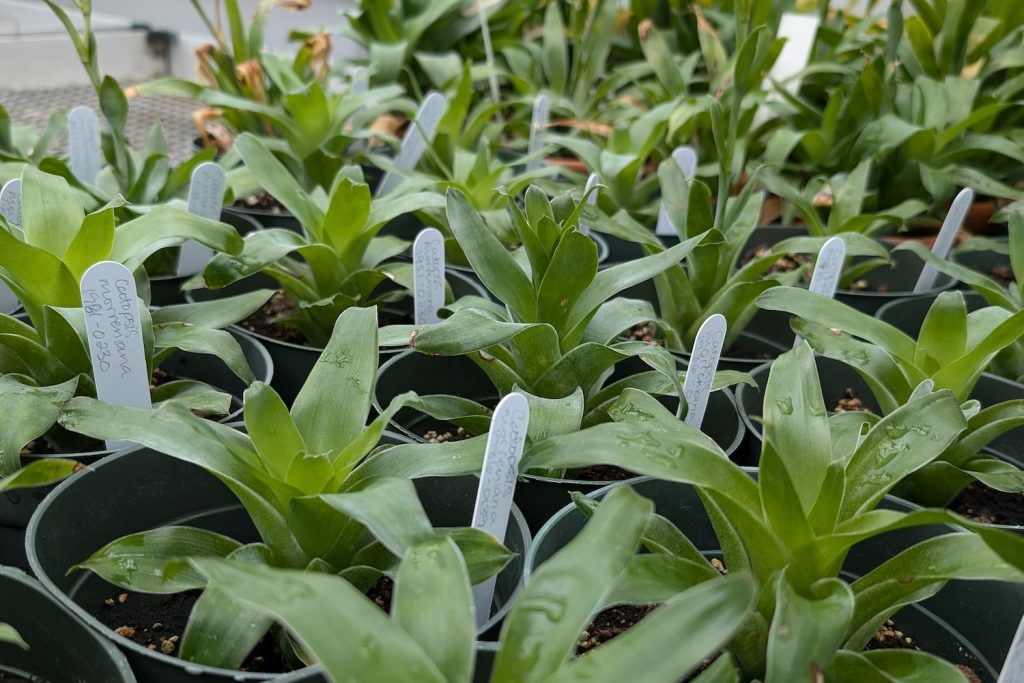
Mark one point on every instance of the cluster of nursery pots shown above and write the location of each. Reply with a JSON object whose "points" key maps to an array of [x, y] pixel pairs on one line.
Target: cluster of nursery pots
{"points": [[308, 428]]}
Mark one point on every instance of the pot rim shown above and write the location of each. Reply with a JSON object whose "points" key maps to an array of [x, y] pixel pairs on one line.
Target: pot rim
{"points": [[516, 519]]}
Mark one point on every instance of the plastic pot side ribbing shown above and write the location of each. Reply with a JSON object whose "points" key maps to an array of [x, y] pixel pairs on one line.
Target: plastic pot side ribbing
{"points": [[982, 616], [294, 362], [60, 645], [16, 507], [153, 490], [537, 497]]}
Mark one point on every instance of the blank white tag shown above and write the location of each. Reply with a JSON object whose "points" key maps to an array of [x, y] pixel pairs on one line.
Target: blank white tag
{"points": [[417, 136], [799, 30], [206, 200], [84, 143], [111, 307], [827, 269], [947, 236], [505, 442], [538, 126], [10, 201], [1013, 667], [686, 159], [700, 374], [428, 276], [591, 200]]}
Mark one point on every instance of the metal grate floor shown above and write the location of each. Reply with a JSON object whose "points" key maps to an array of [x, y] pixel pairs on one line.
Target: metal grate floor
{"points": [[35, 106]]}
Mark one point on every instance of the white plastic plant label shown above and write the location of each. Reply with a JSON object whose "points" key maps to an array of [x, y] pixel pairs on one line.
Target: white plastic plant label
{"points": [[593, 180], [538, 126], [686, 159], [799, 31], [505, 442], [206, 200], [1013, 667], [10, 201], [428, 276], [700, 374], [947, 236], [420, 132], [84, 144], [114, 329], [827, 269]]}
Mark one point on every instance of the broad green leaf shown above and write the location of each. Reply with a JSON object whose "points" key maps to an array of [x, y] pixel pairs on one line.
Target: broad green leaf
{"points": [[137, 561], [434, 605], [541, 631], [41, 472], [316, 608], [891, 666], [29, 413], [51, 214], [270, 426], [331, 408]]}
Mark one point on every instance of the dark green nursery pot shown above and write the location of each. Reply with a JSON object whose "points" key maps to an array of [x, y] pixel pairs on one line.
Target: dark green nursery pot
{"points": [[538, 497], [979, 618], [61, 648], [141, 489]]}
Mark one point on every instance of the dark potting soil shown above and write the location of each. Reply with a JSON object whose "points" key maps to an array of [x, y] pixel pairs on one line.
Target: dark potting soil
{"points": [[157, 622], [786, 263], [645, 332], [1003, 274], [442, 435], [890, 637], [382, 592], [849, 402], [989, 506], [862, 285], [262, 201], [603, 473], [267, 320], [737, 350]]}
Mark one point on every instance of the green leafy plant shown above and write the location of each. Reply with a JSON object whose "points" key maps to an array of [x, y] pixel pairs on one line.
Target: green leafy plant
{"points": [[429, 636], [555, 333], [1009, 362], [26, 144], [952, 350], [817, 494], [8, 634], [342, 257], [46, 360], [313, 479], [141, 177]]}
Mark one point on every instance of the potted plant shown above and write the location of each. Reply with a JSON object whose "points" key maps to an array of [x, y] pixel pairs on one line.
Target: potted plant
{"points": [[814, 528], [430, 632], [558, 339], [318, 493]]}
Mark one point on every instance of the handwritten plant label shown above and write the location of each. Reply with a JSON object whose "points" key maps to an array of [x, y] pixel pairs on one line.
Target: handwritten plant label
{"points": [[428, 276], [206, 200], [10, 201], [947, 236], [114, 328], [414, 144], [686, 159], [593, 180], [538, 124], [827, 269], [700, 375], [84, 143], [1013, 667], [799, 31], [505, 442]]}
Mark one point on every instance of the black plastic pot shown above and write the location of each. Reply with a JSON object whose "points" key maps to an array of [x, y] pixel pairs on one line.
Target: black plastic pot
{"points": [[537, 497], [294, 362], [16, 507], [141, 489], [61, 647], [165, 290], [981, 617], [898, 282]]}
